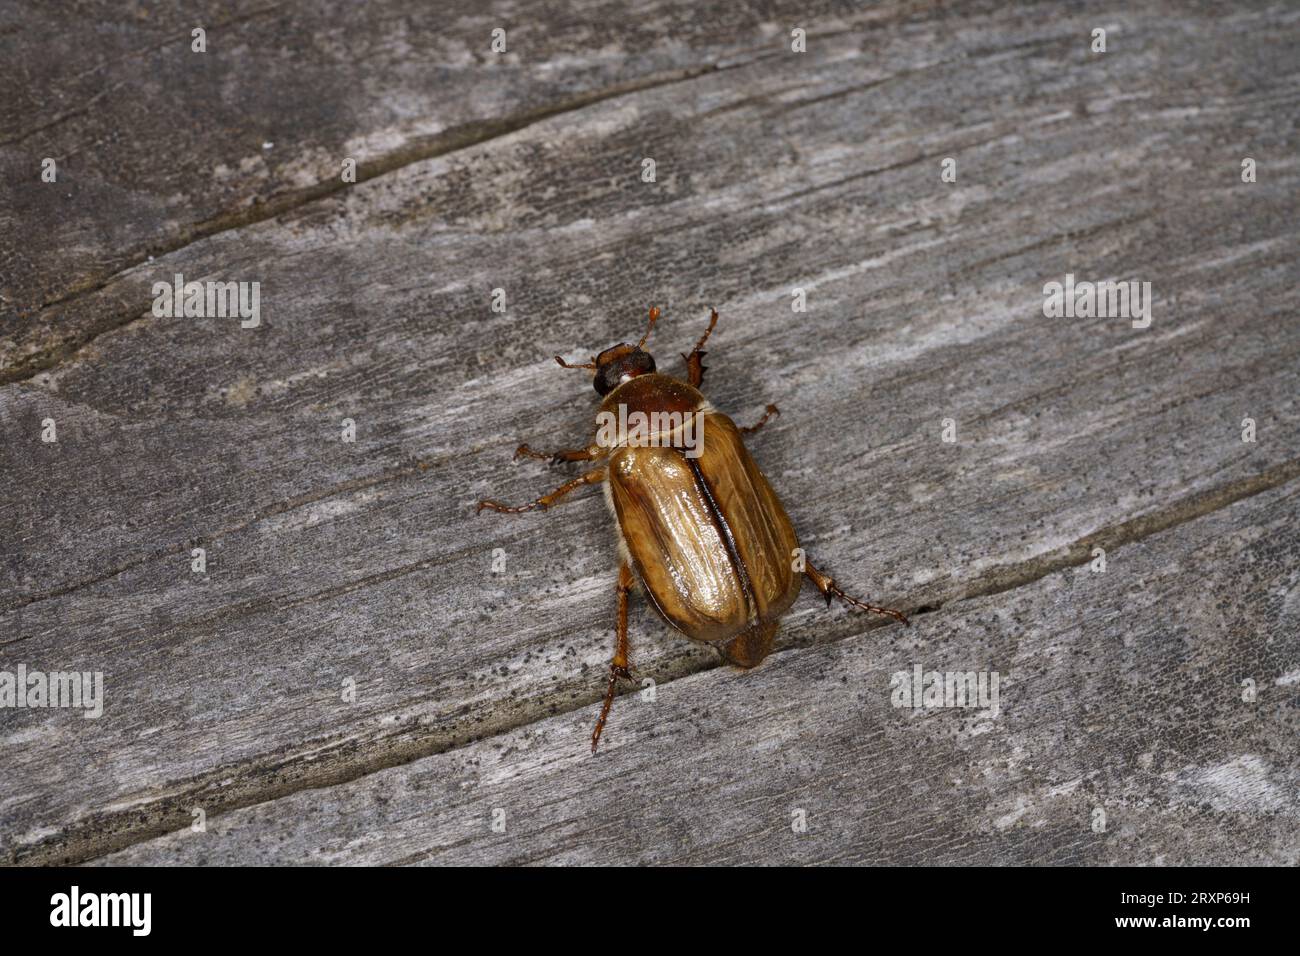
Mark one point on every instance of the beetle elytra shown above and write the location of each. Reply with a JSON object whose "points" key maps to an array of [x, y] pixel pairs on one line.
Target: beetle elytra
{"points": [[699, 526]]}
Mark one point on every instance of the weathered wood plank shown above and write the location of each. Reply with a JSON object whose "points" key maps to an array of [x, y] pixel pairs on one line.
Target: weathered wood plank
{"points": [[332, 561], [157, 145], [1121, 737]]}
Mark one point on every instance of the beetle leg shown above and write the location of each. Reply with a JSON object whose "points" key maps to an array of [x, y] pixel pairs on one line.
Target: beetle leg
{"points": [[830, 589], [695, 361], [545, 501], [618, 666], [563, 455], [771, 410]]}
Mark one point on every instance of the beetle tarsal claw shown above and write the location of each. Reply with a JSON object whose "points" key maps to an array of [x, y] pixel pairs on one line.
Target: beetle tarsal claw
{"points": [[615, 672], [833, 589]]}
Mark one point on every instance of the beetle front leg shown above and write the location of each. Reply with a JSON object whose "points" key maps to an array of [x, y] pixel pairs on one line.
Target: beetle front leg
{"points": [[592, 477], [618, 666], [830, 589], [563, 455], [695, 361]]}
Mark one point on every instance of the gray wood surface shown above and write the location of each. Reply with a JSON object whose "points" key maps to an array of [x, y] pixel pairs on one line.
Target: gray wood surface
{"points": [[332, 562], [1105, 704]]}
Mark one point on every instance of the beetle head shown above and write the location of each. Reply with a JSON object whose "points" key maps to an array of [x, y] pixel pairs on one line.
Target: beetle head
{"points": [[618, 363]]}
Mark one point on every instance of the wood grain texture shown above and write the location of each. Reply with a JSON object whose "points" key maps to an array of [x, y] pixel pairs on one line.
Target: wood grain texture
{"points": [[1120, 692], [158, 145], [333, 561]]}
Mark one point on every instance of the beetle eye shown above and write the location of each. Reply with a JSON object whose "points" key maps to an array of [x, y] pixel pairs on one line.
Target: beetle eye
{"points": [[607, 378]]}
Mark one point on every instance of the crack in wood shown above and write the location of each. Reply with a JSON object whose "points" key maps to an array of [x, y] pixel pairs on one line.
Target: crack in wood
{"points": [[418, 150], [332, 763]]}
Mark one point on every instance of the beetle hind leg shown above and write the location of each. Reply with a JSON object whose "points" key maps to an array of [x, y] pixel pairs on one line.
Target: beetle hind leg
{"points": [[826, 584], [617, 666]]}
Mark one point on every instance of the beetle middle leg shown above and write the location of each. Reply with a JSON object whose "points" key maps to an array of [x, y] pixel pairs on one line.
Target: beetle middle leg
{"points": [[618, 666], [829, 589], [771, 410], [592, 477], [563, 455], [695, 361]]}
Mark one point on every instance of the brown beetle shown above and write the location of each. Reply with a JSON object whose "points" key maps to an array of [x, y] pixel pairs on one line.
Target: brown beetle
{"points": [[699, 526]]}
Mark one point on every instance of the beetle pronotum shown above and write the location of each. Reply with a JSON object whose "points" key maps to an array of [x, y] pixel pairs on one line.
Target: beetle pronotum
{"points": [[699, 526]]}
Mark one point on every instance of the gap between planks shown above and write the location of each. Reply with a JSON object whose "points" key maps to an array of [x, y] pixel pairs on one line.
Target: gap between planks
{"points": [[110, 832]]}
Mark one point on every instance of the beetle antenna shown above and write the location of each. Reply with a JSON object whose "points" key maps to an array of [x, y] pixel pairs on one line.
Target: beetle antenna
{"points": [[654, 316], [563, 364]]}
